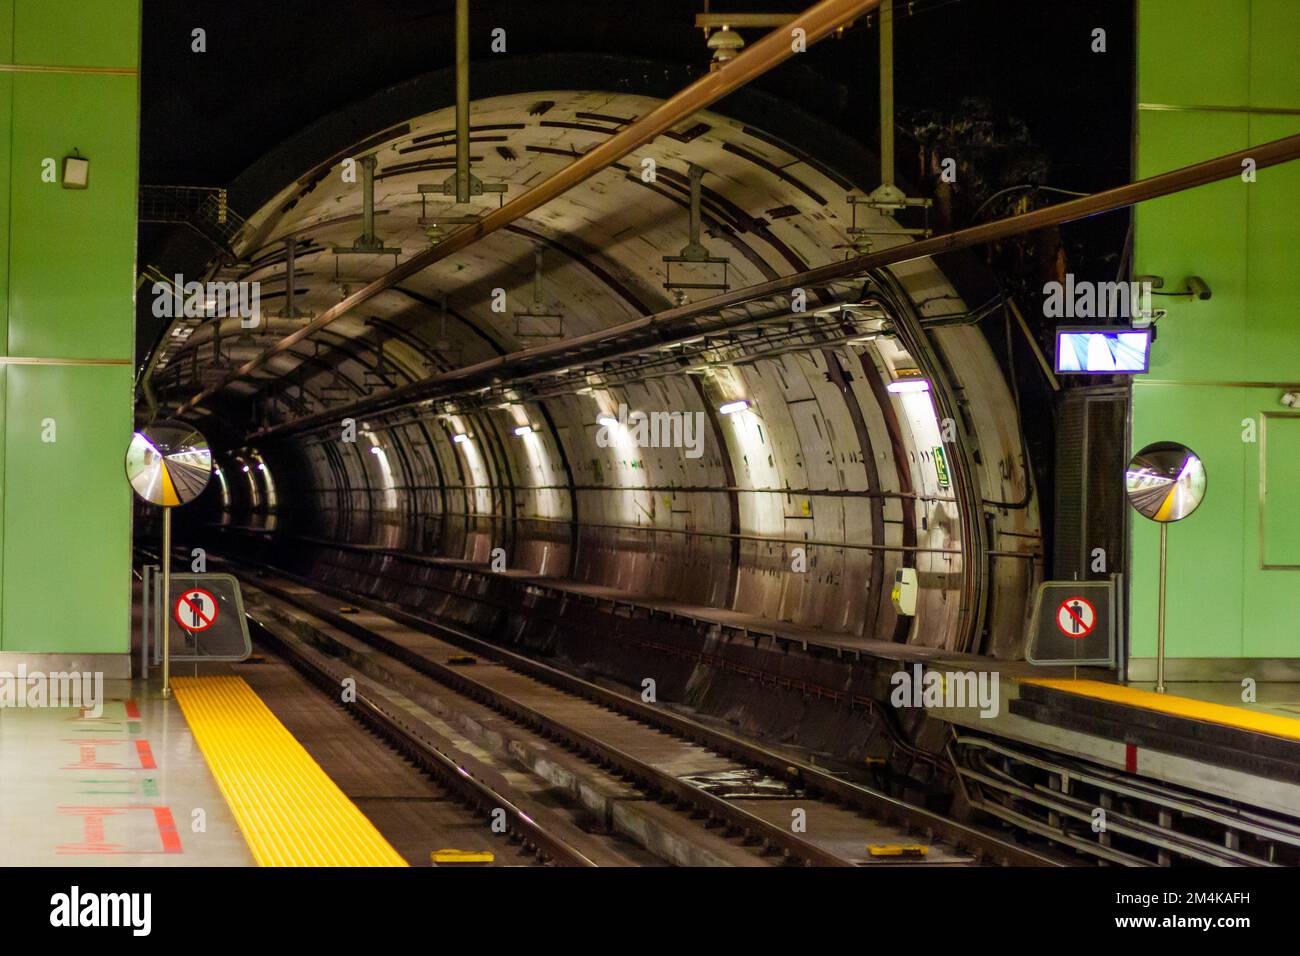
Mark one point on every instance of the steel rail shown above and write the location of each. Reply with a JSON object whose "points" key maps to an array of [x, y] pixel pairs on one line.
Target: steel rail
{"points": [[817, 22], [652, 778], [800, 774], [1188, 177], [446, 770]]}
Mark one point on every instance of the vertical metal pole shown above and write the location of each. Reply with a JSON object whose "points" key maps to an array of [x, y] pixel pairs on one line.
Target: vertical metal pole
{"points": [[290, 268], [368, 198], [164, 630], [1160, 613], [462, 101], [696, 176], [887, 92], [537, 277], [146, 611]]}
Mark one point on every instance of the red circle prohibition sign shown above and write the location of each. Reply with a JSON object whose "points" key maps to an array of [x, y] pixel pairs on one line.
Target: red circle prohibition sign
{"points": [[1076, 617], [196, 610]]}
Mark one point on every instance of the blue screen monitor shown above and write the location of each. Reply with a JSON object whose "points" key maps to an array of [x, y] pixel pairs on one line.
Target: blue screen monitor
{"points": [[1111, 351]]}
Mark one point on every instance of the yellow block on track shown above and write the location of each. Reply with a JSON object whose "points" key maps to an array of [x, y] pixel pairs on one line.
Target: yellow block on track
{"points": [[290, 811], [1224, 714]]}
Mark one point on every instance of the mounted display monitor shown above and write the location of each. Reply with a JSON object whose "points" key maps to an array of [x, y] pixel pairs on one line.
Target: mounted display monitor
{"points": [[1109, 351]]}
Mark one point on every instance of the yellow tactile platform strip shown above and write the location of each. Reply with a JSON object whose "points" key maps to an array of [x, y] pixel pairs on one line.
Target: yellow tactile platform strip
{"points": [[290, 811], [1223, 714]]}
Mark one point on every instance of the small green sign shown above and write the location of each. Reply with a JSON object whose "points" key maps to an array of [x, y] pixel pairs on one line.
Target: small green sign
{"points": [[941, 467]]}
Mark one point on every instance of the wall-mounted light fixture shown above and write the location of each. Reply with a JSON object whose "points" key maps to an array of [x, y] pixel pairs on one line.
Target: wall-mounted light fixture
{"points": [[460, 438], [524, 430], [908, 380], [76, 171], [730, 408]]}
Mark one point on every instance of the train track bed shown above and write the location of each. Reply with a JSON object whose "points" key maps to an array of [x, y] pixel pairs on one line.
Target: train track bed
{"points": [[687, 793], [414, 813]]}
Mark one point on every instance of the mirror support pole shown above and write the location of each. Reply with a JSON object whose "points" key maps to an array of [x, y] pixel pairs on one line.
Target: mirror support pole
{"points": [[164, 630], [1160, 613]]}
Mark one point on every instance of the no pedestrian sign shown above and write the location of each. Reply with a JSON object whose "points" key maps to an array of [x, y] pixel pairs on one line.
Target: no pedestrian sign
{"points": [[196, 610], [1073, 623], [1076, 617]]}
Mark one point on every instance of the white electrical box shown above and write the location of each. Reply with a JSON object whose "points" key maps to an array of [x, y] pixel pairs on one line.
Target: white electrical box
{"points": [[904, 593]]}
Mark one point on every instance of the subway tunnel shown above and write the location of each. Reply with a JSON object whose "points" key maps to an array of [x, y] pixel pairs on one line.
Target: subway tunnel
{"points": [[834, 466], [657, 436]]}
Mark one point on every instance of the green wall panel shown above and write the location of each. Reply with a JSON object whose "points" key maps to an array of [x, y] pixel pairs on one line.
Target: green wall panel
{"points": [[6, 116], [1279, 520], [1220, 363], [104, 33], [67, 279], [1272, 340], [72, 257], [67, 510], [1204, 612], [1275, 53], [1193, 52], [1174, 239]]}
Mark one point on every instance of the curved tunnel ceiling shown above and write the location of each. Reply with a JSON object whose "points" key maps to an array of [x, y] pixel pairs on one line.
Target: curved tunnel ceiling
{"points": [[825, 458]]}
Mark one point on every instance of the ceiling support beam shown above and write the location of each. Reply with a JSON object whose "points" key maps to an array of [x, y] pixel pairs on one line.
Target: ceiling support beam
{"points": [[1188, 177], [817, 22]]}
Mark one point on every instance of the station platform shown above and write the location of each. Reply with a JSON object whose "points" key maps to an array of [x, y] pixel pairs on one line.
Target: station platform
{"points": [[1198, 736], [125, 787], [208, 777], [1207, 721]]}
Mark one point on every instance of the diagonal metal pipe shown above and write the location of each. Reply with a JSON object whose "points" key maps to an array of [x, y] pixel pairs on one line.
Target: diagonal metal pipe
{"points": [[816, 22], [1163, 184]]}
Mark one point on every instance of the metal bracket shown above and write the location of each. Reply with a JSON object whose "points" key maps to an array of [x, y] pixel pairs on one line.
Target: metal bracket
{"points": [[695, 252], [367, 243]]}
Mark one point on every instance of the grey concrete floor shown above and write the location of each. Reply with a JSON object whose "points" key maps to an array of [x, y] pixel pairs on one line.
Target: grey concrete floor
{"points": [[127, 788]]}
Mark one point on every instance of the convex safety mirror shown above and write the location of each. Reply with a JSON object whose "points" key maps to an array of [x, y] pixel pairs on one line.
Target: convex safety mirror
{"points": [[168, 463], [1165, 481]]}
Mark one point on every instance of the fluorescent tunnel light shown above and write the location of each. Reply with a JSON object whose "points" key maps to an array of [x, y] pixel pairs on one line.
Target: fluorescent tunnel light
{"points": [[908, 385]]}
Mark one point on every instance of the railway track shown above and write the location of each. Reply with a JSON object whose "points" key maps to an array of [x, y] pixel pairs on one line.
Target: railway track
{"points": [[773, 805], [418, 813]]}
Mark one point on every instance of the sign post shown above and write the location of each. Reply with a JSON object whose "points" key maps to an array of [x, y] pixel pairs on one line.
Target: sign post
{"points": [[169, 464], [1165, 482]]}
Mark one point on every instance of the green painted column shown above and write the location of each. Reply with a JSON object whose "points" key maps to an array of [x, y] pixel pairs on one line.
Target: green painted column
{"points": [[69, 84], [1216, 76]]}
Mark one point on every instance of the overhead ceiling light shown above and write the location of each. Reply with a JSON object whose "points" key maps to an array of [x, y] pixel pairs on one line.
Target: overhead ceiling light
{"points": [[524, 430], [730, 408], [909, 383], [460, 438], [609, 421], [375, 450]]}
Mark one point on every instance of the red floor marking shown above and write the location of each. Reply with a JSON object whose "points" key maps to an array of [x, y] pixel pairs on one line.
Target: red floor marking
{"points": [[90, 757], [145, 753], [93, 828], [1131, 758], [132, 710], [171, 839]]}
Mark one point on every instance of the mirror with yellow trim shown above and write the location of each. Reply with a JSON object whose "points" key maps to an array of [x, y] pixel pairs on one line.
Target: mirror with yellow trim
{"points": [[168, 463], [1165, 482]]}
